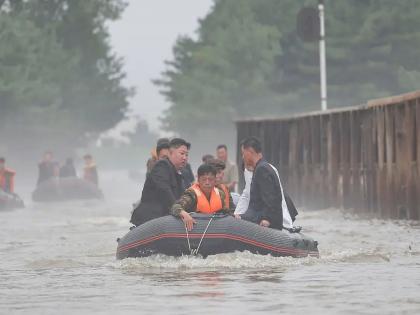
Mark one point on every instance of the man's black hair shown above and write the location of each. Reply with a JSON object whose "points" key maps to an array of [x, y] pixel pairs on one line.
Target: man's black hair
{"points": [[204, 169], [219, 165], [175, 143], [207, 157], [162, 144], [222, 146], [2, 159], [252, 142], [161, 141]]}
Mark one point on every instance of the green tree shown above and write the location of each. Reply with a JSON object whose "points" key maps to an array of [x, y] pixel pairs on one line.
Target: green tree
{"points": [[60, 84], [248, 60], [224, 73]]}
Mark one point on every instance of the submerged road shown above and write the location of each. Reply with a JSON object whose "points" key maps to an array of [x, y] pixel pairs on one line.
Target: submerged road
{"points": [[59, 258]]}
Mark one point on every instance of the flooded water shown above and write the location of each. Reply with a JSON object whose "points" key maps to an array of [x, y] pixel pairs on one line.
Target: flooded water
{"points": [[60, 259]]}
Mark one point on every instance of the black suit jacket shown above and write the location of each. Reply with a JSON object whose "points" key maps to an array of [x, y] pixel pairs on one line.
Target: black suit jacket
{"points": [[163, 186], [266, 198]]}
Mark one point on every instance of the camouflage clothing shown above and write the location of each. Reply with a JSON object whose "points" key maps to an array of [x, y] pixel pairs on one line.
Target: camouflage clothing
{"points": [[188, 203]]}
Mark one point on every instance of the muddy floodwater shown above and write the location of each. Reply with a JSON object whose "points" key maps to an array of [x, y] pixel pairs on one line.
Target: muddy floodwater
{"points": [[59, 258]]}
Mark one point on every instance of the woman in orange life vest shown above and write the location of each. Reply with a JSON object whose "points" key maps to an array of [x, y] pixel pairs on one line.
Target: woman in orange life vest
{"points": [[203, 197], [7, 177]]}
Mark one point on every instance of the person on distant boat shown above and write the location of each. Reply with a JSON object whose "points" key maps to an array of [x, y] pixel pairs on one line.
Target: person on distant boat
{"points": [[219, 165], [7, 177], [48, 168], [90, 172], [163, 185], [160, 151], [267, 204], [202, 197], [68, 169]]}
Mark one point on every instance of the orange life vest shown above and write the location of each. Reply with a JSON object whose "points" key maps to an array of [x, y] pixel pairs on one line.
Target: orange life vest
{"points": [[7, 180], [203, 204]]}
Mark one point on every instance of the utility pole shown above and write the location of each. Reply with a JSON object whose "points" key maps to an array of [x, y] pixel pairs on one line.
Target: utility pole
{"points": [[322, 59]]}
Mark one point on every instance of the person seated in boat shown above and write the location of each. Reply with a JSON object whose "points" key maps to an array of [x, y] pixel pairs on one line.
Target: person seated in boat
{"points": [[48, 168], [163, 185], [267, 203], [90, 172], [203, 197], [219, 166], [68, 169], [160, 151], [7, 177]]}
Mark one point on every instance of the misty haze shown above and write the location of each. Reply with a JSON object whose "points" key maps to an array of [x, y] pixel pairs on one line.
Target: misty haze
{"points": [[212, 156]]}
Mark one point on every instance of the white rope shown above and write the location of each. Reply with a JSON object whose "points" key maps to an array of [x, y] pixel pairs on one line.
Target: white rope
{"points": [[195, 251], [188, 239], [202, 236]]}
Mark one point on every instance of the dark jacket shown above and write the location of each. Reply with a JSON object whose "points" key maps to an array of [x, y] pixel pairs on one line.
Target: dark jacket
{"points": [[163, 186], [187, 176], [47, 170], [67, 170], [265, 196]]}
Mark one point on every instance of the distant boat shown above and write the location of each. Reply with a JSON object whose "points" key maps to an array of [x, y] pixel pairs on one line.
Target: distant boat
{"points": [[68, 188], [10, 201], [212, 235]]}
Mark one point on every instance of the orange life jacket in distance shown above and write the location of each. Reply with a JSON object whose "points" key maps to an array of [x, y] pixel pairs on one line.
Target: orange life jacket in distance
{"points": [[203, 204], [7, 180]]}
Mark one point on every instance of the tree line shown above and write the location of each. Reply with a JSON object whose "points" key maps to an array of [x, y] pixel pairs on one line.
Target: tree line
{"points": [[247, 60], [60, 83]]}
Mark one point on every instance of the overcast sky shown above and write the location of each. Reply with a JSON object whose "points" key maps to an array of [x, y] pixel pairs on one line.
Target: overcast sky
{"points": [[144, 38]]}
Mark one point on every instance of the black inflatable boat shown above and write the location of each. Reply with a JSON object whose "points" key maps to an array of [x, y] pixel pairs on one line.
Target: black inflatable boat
{"points": [[69, 188], [10, 201], [212, 235]]}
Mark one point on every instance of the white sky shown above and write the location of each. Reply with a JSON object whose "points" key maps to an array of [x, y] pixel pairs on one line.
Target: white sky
{"points": [[144, 37]]}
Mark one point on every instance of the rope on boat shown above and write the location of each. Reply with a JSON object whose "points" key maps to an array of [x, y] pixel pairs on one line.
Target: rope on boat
{"points": [[195, 251]]}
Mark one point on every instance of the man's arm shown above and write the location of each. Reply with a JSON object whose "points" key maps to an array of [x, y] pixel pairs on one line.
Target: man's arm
{"points": [[187, 203]]}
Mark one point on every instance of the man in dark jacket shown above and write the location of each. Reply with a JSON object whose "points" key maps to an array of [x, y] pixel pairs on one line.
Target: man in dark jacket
{"points": [[68, 169], [48, 168], [268, 205], [163, 185]]}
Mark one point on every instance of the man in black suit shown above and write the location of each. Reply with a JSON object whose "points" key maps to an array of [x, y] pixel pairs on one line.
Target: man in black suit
{"points": [[164, 184], [268, 205]]}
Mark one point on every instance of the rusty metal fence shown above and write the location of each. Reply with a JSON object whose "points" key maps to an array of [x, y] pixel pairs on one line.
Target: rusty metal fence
{"points": [[363, 158]]}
